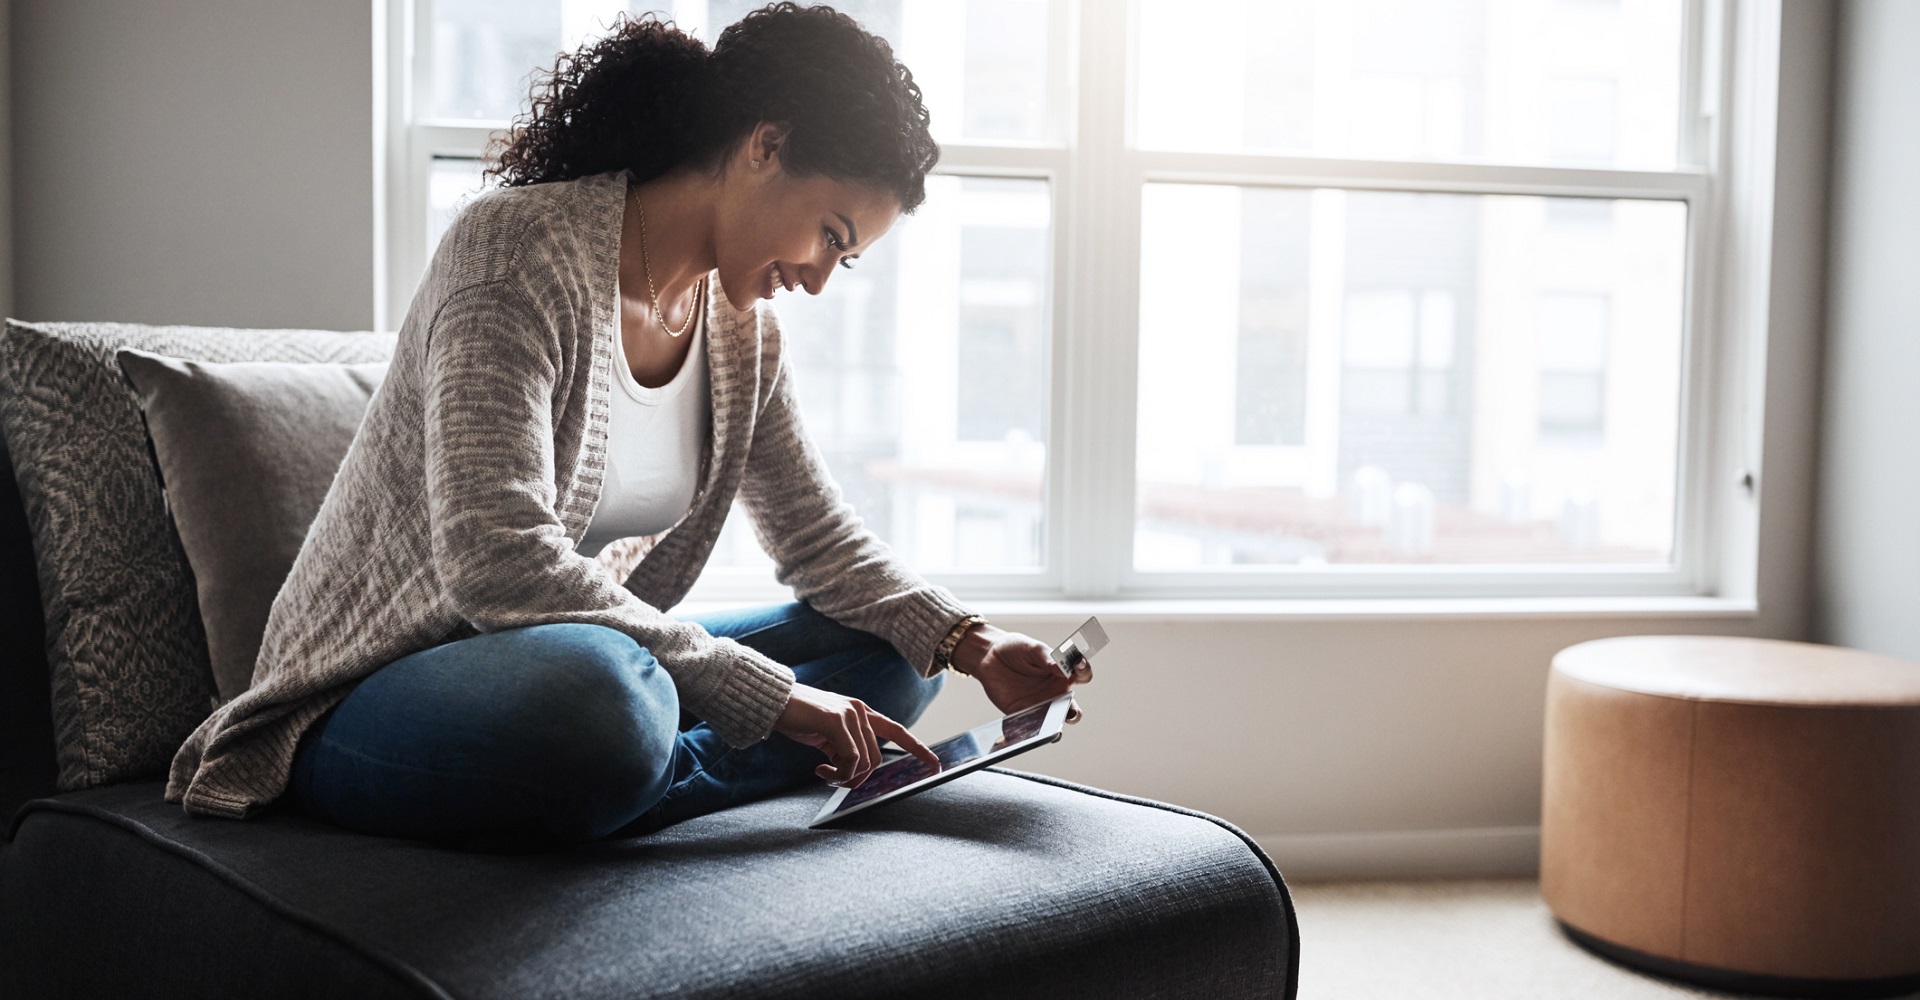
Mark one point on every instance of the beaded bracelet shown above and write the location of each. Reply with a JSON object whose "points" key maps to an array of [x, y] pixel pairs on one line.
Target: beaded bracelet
{"points": [[943, 656]]}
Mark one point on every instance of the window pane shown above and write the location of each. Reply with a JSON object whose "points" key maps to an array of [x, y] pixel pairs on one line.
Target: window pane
{"points": [[1573, 82], [1472, 379], [922, 375], [982, 64], [483, 52]]}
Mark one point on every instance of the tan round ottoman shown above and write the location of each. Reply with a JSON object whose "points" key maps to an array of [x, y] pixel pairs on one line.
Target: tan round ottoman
{"points": [[1743, 813]]}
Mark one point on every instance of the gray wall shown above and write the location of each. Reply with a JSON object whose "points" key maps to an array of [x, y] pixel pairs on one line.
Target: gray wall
{"points": [[1868, 528], [193, 161]]}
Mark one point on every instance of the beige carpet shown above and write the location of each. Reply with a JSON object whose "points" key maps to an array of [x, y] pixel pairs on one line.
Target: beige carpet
{"points": [[1486, 939]]}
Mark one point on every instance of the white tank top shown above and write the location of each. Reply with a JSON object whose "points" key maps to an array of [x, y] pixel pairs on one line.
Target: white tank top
{"points": [[654, 441]]}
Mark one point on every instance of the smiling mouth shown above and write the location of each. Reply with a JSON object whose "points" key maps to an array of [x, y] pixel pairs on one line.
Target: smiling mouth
{"points": [[776, 280]]}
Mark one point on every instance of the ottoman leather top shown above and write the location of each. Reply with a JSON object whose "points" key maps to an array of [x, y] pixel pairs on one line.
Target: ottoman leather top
{"points": [[1748, 671]]}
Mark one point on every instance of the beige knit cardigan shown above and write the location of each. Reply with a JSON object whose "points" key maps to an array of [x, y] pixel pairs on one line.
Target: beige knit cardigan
{"points": [[459, 503]]}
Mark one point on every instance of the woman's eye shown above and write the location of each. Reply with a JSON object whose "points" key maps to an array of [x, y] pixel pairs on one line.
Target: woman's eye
{"points": [[833, 240]]}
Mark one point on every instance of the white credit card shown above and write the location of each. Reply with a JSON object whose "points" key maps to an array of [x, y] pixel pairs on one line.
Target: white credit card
{"points": [[1085, 641]]}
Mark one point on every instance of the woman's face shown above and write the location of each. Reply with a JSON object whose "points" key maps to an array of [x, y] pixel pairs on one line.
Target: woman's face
{"points": [[777, 232]]}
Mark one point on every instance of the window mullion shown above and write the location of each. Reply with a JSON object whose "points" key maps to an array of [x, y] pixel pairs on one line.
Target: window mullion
{"points": [[1701, 548], [1098, 362], [1001, 161], [441, 139], [406, 180], [1731, 382], [1418, 175], [1695, 64]]}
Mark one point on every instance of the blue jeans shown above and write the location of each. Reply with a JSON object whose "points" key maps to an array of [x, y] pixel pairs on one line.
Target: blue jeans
{"points": [[572, 732]]}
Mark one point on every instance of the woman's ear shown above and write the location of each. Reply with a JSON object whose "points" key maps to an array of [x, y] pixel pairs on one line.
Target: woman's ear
{"points": [[768, 142]]}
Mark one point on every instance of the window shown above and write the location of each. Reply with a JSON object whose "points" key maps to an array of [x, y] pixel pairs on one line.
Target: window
{"points": [[1236, 297]]}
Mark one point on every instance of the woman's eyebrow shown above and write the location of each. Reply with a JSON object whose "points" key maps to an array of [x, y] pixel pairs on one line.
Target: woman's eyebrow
{"points": [[853, 235]]}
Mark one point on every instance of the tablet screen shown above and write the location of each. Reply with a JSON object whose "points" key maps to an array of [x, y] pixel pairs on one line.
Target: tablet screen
{"points": [[968, 746], [996, 741]]}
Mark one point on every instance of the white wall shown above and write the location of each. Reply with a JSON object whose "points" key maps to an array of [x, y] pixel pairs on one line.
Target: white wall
{"points": [[193, 161], [1869, 518]]}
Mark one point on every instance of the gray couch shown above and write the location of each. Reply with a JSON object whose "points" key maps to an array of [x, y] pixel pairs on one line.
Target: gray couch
{"points": [[1005, 883]]}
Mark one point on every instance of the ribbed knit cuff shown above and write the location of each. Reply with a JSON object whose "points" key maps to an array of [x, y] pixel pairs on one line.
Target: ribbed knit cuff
{"points": [[923, 618], [202, 802], [751, 699]]}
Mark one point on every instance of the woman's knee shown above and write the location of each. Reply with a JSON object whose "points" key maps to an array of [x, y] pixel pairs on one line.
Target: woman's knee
{"points": [[610, 710]]}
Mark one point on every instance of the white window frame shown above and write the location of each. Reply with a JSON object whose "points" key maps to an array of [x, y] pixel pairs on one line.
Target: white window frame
{"points": [[1729, 98]]}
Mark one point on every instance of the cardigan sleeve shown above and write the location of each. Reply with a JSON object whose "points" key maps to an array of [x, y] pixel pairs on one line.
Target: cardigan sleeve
{"points": [[498, 544], [819, 544]]}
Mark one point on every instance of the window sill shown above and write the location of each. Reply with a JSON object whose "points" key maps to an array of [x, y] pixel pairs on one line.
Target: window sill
{"points": [[1374, 609], [1345, 609]]}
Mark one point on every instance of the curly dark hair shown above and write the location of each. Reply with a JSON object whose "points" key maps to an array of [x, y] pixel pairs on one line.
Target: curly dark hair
{"points": [[649, 98]]}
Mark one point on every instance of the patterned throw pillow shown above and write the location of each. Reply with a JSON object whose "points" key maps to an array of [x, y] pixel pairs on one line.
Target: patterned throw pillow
{"points": [[125, 643]]}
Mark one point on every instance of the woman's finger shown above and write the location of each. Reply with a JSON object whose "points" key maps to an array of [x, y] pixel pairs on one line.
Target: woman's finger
{"points": [[845, 756], [896, 732], [869, 746], [862, 758], [1037, 661]]}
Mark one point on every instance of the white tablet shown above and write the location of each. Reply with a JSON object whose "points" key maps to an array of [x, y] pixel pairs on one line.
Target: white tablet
{"points": [[969, 751]]}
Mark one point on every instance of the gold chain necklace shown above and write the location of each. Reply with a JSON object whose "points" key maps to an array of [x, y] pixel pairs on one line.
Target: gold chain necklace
{"points": [[653, 295]]}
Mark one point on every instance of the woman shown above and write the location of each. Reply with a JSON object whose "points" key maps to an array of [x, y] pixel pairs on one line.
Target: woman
{"points": [[584, 361]]}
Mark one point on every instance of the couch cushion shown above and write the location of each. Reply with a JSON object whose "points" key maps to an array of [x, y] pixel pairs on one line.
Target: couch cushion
{"points": [[246, 452], [1001, 883], [125, 647]]}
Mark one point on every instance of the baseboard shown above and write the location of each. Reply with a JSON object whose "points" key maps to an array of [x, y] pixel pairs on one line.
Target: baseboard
{"points": [[1482, 851]]}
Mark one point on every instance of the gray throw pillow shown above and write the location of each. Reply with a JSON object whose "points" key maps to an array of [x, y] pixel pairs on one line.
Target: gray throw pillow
{"points": [[247, 451], [125, 644]]}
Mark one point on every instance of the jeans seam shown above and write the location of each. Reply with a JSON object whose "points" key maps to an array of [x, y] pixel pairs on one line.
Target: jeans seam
{"points": [[679, 788]]}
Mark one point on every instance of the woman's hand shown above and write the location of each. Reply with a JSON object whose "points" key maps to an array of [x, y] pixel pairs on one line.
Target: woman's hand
{"points": [[846, 730], [1017, 671]]}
